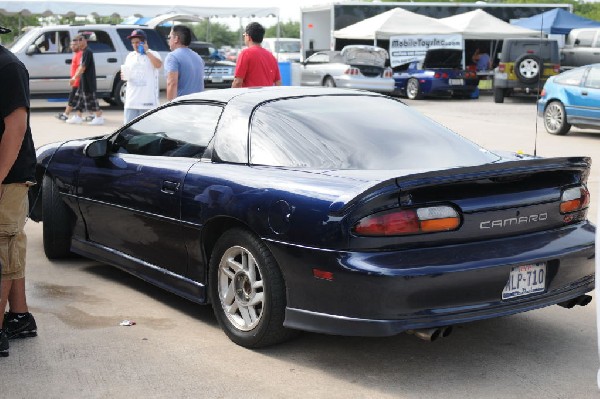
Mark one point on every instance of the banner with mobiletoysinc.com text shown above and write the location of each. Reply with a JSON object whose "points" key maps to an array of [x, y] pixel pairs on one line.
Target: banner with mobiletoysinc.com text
{"points": [[409, 48]]}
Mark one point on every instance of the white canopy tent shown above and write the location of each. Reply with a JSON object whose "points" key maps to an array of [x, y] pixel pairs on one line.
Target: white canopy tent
{"points": [[126, 8], [397, 21], [478, 24]]}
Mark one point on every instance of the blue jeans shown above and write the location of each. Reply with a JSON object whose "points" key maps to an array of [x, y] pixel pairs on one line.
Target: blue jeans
{"points": [[132, 113]]}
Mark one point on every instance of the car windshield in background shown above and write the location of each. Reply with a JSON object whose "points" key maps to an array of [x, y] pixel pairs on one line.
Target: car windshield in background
{"points": [[288, 47], [356, 132]]}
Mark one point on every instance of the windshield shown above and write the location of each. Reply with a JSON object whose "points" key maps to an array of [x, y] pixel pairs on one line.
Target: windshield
{"points": [[356, 132], [288, 47], [22, 40]]}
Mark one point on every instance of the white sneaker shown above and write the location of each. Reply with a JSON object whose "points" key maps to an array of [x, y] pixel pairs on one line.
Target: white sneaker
{"points": [[75, 119], [97, 121]]}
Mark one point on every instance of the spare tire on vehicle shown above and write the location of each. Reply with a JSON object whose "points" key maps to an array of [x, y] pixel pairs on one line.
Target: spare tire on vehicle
{"points": [[529, 68]]}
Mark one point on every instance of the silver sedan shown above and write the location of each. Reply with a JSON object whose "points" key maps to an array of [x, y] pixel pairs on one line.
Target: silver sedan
{"points": [[355, 67]]}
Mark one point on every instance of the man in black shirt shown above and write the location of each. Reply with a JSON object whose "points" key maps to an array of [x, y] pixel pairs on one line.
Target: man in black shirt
{"points": [[17, 173], [85, 98]]}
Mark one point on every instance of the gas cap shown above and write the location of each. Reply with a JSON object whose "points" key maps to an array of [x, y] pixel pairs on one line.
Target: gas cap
{"points": [[280, 213]]}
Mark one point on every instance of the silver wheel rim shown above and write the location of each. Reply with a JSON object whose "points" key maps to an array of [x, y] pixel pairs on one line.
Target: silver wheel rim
{"points": [[412, 88], [122, 92], [553, 117], [529, 68], [241, 288], [329, 83]]}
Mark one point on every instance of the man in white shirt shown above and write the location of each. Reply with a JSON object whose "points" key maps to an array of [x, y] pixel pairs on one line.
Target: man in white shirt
{"points": [[141, 73]]}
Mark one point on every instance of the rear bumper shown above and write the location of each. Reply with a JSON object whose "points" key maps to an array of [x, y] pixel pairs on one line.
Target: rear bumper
{"points": [[375, 84], [379, 294]]}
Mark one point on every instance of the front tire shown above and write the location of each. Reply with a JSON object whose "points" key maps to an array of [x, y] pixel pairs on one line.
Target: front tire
{"points": [[247, 291], [57, 227], [119, 93], [555, 119]]}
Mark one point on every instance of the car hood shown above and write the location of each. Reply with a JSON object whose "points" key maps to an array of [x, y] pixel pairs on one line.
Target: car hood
{"points": [[364, 55], [443, 58]]}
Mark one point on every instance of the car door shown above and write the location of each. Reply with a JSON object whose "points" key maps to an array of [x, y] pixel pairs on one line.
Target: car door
{"points": [[590, 96], [130, 200], [313, 69], [48, 58]]}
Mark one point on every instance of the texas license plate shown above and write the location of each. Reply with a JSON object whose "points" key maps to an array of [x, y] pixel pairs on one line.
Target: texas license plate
{"points": [[525, 280], [457, 82], [217, 79]]}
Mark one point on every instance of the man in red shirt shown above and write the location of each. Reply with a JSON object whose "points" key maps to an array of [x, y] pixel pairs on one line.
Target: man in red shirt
{"points": [[63, 116], [256, 66]]}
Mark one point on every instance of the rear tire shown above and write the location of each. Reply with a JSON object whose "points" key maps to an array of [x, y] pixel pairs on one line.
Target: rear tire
{"points": [[413, 89], [57, 220], [119, 93], [498, 95], [247, 291], [328, 82], [555, 119]]}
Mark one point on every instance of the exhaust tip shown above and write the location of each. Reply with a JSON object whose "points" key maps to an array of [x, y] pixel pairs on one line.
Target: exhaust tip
{"points": [[432, 334]]}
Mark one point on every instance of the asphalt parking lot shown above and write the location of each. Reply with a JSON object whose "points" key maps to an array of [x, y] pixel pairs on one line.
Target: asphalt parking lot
{"points": [[176, 348]]}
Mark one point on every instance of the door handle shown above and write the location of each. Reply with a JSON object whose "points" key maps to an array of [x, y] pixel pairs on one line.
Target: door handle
{"points": [[112, 60], [169, 187], [68, 62], [584, 93]]}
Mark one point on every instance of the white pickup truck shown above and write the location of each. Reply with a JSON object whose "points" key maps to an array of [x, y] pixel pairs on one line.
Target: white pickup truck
{"points": [[582, 47]]}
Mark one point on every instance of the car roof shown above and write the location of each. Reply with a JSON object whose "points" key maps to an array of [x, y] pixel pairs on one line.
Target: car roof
{"points": [[261, 94]]}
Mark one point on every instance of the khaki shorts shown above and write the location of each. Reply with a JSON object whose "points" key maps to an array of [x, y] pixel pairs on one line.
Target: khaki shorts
{"points": [[14, 207]]}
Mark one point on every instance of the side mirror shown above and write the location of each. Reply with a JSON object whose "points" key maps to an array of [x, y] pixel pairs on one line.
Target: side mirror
{"points": [[97, 148], [32, 49]]}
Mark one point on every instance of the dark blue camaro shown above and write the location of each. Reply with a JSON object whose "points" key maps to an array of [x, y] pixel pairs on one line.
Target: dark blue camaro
{"points": [[326, 210]]}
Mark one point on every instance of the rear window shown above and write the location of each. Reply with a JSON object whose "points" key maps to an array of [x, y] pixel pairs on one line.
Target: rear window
{"points": [[155, 41], [355, 132], [548, 51]]}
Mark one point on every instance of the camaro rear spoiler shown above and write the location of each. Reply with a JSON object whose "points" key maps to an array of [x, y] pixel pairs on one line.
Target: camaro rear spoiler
{"points": [[465, 174]]}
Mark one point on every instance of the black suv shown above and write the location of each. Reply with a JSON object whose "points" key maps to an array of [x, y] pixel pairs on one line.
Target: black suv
{"points": [[524, 66], [217, 71]]}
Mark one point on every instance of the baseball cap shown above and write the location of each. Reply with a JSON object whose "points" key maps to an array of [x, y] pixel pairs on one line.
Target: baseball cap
{"points": [[4, 30], [137, 33]]}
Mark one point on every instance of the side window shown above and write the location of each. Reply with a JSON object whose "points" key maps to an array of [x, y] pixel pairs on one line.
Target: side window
{"points": [[155, 41], [572, 77], [53, 42], [181, 130], [98, 41], [593, 79], [318, 58], [586, 38]]}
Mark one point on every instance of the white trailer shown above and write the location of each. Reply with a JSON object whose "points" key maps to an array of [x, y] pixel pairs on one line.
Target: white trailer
{"points": [[319, 22]]}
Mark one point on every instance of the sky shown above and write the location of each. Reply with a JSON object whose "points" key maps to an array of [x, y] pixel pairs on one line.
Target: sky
{"points": [[288, 9]]}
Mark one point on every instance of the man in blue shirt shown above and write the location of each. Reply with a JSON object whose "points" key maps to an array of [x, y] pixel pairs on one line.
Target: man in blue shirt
{"points": [[183, 67]]}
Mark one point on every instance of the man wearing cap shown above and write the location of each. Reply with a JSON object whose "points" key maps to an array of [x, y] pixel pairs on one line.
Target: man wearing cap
{"points": [[141, 73], [17, 174], [183, 66]]}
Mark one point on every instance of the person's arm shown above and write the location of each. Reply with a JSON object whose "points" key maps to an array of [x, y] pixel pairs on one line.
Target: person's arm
{"points": [[156, 61], [15, 126], [278, 82], [237, 83], [172, 79], [78, 74]]}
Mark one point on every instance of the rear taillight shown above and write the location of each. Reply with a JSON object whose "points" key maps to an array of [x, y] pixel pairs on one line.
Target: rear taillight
{"points": [[442, 75], [574, 199], [543, 93], [388, 73], [556, 68], [352, 71], [409, 221], [501, 67]]}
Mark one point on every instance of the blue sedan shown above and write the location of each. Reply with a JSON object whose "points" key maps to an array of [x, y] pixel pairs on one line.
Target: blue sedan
{"points": [[328, 210], [439, 74], [571, 99]]}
